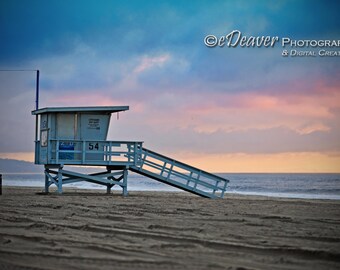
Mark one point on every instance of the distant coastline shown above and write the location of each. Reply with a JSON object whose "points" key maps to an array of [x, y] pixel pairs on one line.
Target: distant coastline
{"points": [[18, 166]]}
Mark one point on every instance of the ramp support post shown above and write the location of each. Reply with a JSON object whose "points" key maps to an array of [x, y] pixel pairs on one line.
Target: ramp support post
{"points": [[125, 176], [108, 186], [47, 184], [57, 180], [60, 181]]}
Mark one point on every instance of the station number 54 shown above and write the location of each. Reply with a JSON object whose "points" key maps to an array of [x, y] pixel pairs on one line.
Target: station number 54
{"points": [[93, 146]]}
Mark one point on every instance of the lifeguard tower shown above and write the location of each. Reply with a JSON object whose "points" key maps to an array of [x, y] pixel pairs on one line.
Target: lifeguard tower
{"points": [[78, 136]]}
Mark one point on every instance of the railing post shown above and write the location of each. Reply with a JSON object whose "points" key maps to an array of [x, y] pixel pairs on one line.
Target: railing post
{"points": [[224, 188], [57, 152], [163, 168], [129, 152], [110, 152], [143, 158], [0, 184], [83, 152], [190, 177], [104, 152], [198, 178], [216, 186], [140, 153], [135, 154], [170, 170]]}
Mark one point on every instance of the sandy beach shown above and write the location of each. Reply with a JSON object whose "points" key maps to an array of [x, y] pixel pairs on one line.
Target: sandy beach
{"points": [[87, 229]]}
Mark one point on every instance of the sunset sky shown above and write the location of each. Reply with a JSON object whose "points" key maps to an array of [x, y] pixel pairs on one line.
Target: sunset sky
{"points": [[222, 109]]}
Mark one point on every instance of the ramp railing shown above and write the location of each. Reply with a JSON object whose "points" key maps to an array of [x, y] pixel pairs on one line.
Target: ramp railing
{"points": [[180, 175]]}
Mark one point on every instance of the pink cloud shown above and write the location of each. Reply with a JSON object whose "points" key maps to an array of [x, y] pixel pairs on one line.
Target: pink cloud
{"points": [[300, 111], [148, 62]]}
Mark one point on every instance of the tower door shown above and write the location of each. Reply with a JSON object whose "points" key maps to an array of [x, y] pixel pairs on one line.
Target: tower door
{"points": [[67, 130], [66, 126]]}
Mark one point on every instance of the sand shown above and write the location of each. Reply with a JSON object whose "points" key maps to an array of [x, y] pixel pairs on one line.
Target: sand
{"points": [[84, 229]]}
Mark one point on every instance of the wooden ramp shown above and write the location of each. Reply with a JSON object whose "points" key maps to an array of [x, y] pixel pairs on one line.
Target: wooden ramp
{"points": [[118, 157], [180, 175]]}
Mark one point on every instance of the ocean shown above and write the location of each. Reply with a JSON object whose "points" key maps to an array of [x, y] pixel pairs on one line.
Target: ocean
{"points": [[287, 185]]}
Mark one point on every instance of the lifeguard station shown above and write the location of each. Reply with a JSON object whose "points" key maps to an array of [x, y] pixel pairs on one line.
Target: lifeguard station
{"points": [[78, 136]]}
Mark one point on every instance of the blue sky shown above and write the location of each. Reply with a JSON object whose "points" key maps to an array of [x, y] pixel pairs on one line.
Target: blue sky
{"points": [[186, 99]]}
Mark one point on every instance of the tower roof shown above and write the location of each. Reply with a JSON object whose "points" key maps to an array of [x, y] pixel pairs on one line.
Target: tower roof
{"points": [[92, 109]]}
